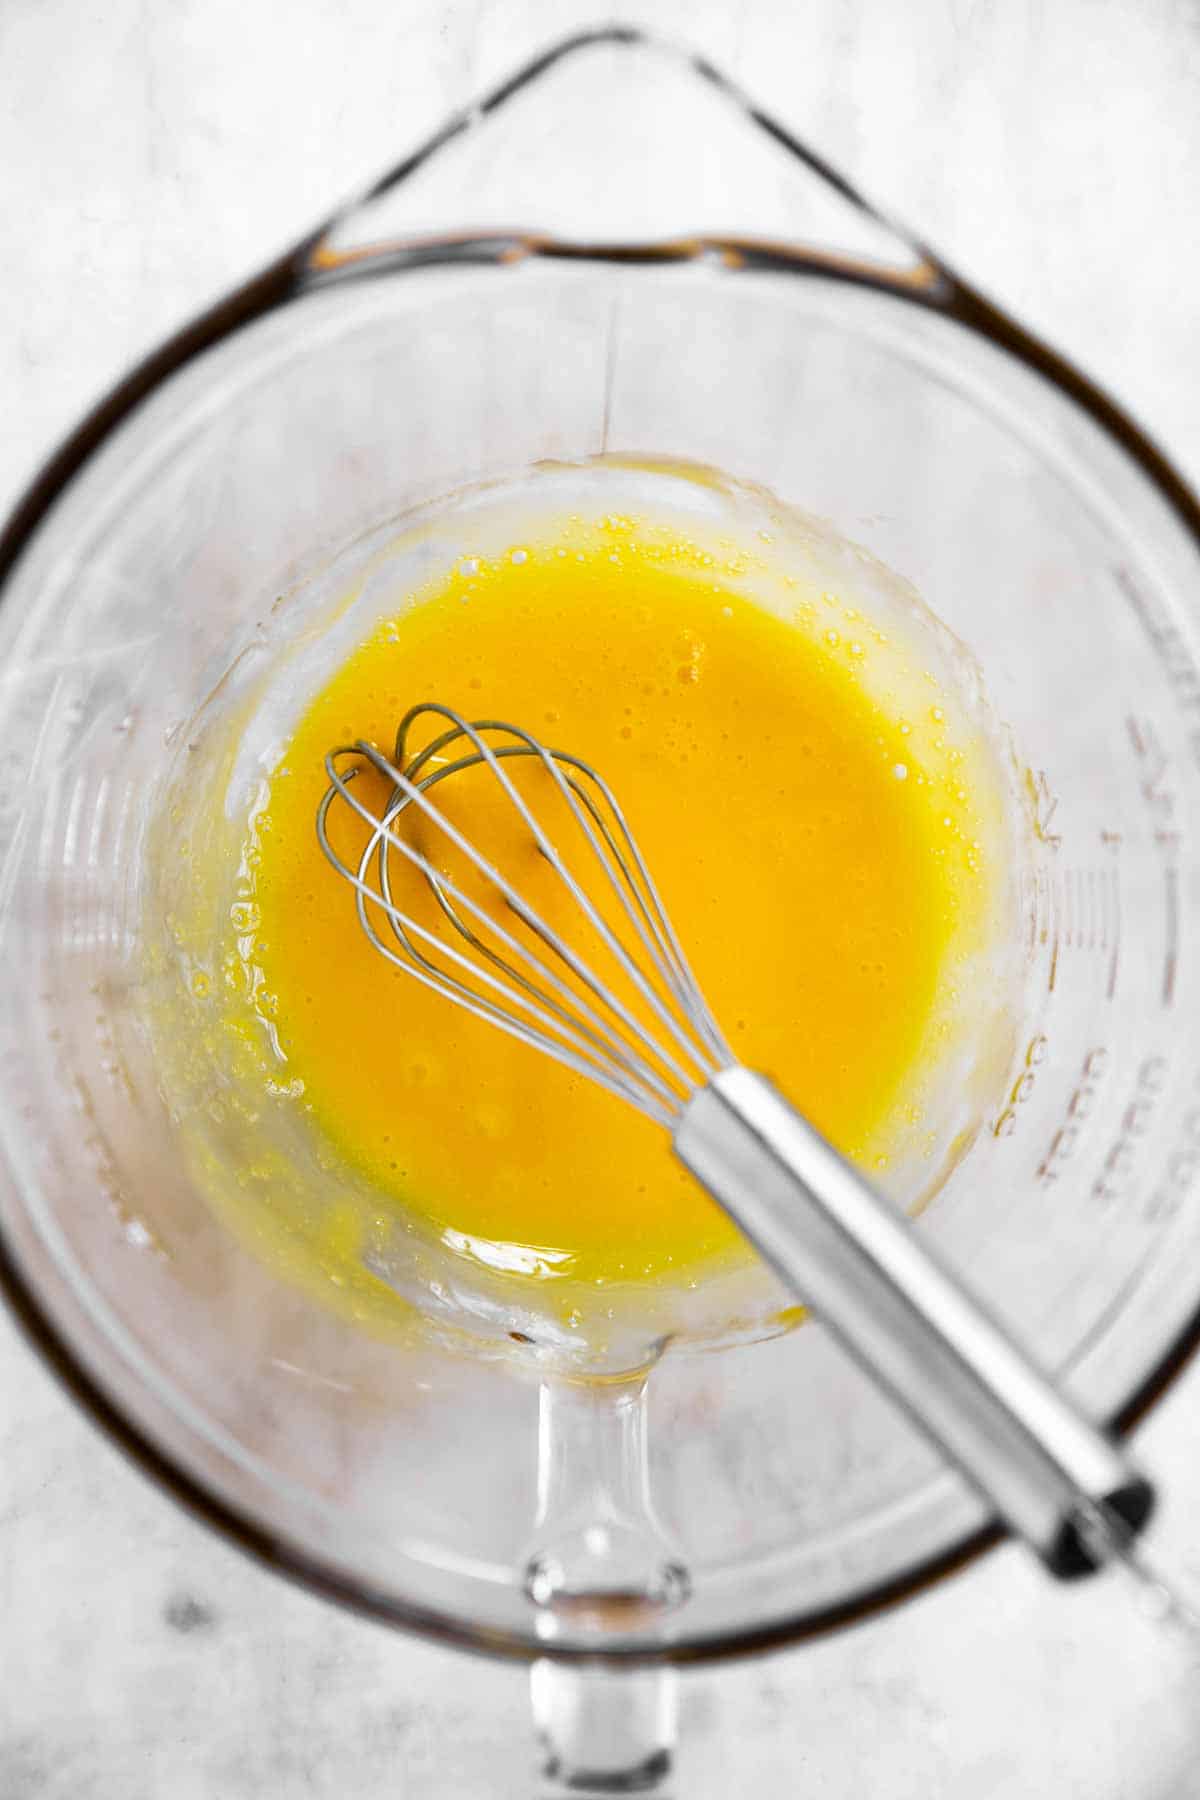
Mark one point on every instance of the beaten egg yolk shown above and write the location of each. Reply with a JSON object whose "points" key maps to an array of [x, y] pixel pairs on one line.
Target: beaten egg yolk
{"points": [[812, 871]]}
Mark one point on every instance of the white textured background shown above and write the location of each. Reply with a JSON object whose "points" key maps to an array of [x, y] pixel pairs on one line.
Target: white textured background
{"points": [[153, 151]]}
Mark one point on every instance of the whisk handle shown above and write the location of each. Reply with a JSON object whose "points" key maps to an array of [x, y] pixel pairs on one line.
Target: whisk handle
{"points": [[848, 1253]]}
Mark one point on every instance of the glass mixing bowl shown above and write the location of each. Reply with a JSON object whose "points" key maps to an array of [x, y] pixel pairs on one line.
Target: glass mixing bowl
{"points": [[693, 287]]}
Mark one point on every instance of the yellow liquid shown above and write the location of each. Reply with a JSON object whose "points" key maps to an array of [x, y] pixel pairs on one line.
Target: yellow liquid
{"points": [[813, 842]]}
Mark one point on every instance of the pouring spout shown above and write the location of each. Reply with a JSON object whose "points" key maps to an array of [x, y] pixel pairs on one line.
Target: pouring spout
{"points": [[619, 145]]}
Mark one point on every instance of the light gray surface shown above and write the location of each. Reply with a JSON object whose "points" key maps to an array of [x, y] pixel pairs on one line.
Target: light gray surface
{"points": [[150, 154]]}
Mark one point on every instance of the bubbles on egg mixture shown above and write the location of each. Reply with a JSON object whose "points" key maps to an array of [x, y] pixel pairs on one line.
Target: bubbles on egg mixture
{"points": [[651, 698]]}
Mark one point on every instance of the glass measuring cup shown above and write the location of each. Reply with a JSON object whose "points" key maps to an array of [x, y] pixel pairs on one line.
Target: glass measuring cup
{"points": [[795, 341]]}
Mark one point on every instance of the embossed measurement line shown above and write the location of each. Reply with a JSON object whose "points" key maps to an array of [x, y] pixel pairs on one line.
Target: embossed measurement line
{"points": [[1116, 1172], [1096, 932], [1161, 798], [1081, 1104], [1171, 957], [1170, 646], [1079, 909]]}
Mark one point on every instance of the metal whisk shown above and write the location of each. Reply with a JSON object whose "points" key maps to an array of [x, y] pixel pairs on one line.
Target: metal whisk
{"points": [[606, 989]]}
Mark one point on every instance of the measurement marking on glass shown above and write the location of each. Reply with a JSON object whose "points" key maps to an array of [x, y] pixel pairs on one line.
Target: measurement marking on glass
{"points": [[1117, 1169], [1044, 930], [1159, 795], [1182, 1163], [1044, 803], [1051, 890], [1023, 1086], [1115, 881], [1030, 907], [1045, 806], [1079, 1107], [1171, 963], [1079, 909], [1168, 643], [1097, 935], [1112, 912]]}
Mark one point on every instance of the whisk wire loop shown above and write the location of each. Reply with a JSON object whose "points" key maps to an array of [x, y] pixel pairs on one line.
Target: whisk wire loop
{"points": [[616, 1070], [495, 973], [627, 880]]}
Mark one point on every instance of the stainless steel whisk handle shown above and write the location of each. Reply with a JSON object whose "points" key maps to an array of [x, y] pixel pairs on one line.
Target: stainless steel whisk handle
{"points": [[879, 1286]]}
